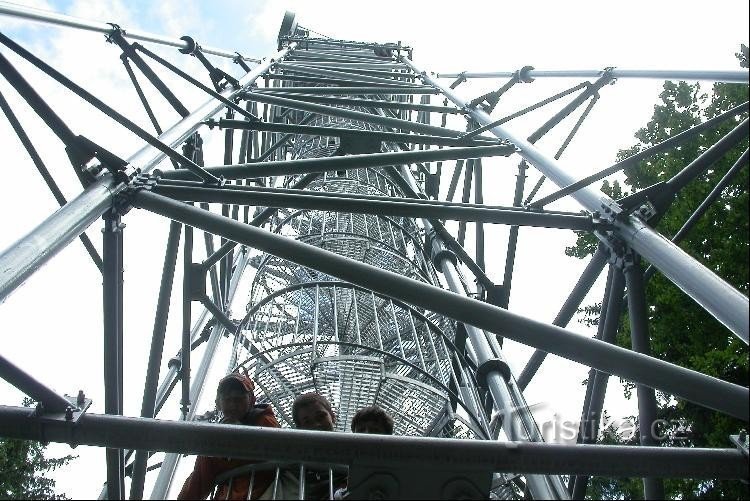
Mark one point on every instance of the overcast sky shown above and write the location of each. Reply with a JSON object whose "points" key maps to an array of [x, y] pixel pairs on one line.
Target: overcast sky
{"points": [[51, 326]]}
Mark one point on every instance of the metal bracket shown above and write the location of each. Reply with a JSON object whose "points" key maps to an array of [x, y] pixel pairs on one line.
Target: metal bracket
{"points": [[523, 74], [219, 78], [78, 407], [137, 183], [741, 442], [238, 59], [461, 79], [611, 211]]}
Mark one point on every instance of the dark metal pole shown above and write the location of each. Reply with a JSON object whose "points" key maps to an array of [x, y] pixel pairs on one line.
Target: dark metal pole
{"points": [[700, 388], [479, 199], [599, 387], [352, 133], [708, 157], [50, 401], [510, 255], [647, 410], [186, 318], [569, 308], [112, 301], [703, 207], [341, 202], [258, 443], [155, 354], [39, 164], [468, 174], [344, 91], [653, 150], [325, 164]]}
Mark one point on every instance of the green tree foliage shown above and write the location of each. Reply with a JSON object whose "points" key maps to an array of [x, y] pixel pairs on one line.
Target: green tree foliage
{"points": [[24, 470], [681, 332]]}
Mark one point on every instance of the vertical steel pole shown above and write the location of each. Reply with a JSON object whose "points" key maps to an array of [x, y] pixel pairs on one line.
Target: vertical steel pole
{"points": [[510, 256], [112, 315], [542, 486], [186, 319], [468, 173], [599, 386], [479, 199], [155, 355], [169, 464], [653, 487]]}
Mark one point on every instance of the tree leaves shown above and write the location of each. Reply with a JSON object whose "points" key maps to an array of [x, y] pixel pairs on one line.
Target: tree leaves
{"points": [[681, 332]]}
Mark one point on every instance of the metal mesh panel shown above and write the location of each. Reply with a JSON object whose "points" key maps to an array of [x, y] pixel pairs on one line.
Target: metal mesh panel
{"points": [[306, 331]]}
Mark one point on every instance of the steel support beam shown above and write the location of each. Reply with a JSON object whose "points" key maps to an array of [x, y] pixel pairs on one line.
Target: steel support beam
{"points": [[50, 401], [639, 336], [372, 103], [344, 91], [351, 133], [568, 309], [641, 155], [729, 76], [46, 16], [700, 388], [388, 206], [271, 444], [155, 354], [170, 462], [327, 164], [32, 251], [113, 321], [721, 300]]}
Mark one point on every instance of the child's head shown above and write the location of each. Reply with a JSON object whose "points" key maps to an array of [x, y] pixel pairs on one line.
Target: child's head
{"points": [[235, 397], [372, 420], [311, 411]]}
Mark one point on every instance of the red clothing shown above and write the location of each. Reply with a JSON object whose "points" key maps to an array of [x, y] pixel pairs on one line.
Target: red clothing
{"points": [[199, 483]]}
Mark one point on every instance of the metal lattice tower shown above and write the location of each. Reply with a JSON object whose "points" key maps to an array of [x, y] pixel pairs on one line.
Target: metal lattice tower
{"points": [[359, 291]]}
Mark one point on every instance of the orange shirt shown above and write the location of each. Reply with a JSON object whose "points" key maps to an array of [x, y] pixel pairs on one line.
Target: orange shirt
{"points": [[199, 483]]}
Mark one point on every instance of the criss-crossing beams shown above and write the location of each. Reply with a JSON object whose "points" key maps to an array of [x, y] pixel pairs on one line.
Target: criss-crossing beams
{"points": [[347, 298]]}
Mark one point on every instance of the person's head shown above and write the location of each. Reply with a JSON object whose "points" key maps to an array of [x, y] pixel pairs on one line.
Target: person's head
{"points": [[311, 411], [372, 420], [235, 397]]}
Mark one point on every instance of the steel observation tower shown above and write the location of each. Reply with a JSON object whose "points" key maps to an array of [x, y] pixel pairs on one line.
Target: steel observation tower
{"points": [[333, 161]]}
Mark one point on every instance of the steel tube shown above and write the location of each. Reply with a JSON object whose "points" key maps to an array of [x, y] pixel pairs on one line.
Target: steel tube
{"points": [[639, 337], [112, 317], [729, 76], [353, 133], [326, 164], [568, 309], [45, 16], [725, 303], [610, 320], [496, 384], [633, 159], [32, 251], [374, 103], [170, 462], [396, 123], [720, 299], [705, 390], [344, 91], [276, 444], [343, 75], [155, 353], [391, 207], [51, 401]]}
